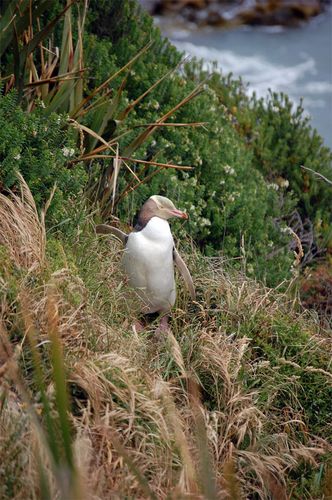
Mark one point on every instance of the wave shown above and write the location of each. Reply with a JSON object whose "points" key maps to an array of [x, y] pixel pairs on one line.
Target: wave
{"points": [[259, 72]]}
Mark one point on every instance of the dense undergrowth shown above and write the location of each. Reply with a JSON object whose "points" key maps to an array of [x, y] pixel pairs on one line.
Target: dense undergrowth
{"points": [[246, 184], [233, 403]]}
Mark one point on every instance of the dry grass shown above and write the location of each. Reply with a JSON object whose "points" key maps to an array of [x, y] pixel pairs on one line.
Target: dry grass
{"points": [[172, 419], [22, 229]]}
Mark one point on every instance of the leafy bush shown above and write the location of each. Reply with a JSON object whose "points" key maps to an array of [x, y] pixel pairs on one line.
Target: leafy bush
{"points": [[228, 200], [282, 140], [265, 142], [39, 147], [247, 182]]}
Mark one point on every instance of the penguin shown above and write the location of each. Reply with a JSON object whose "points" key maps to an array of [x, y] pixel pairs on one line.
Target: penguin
{"points": [[149, 257]]}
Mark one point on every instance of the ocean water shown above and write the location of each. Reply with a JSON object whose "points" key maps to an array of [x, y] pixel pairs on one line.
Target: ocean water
{"points": [[297, 61]]}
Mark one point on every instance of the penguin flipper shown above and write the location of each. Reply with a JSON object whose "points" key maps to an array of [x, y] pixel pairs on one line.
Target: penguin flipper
{"points": [[185, 273], [106, 229]]}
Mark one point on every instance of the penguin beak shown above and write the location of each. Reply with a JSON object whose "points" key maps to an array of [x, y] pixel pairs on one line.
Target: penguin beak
{"points": [[178, 213]]}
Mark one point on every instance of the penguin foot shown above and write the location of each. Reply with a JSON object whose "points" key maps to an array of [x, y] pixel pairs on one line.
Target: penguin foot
{"points": [[163, 328], [138, 327]]}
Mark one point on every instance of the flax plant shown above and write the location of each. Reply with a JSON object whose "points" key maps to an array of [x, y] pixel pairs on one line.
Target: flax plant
{"points": [[57, 76]]}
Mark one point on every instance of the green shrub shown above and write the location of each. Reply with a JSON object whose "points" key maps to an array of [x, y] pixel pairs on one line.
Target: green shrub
{"points": [[282, 140], [39, 147], [262, 142], [228, 199], [287, 357], [246, 180]]}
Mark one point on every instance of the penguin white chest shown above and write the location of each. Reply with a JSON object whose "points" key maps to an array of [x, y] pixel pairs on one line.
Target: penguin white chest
{"points": [[148, 261]]}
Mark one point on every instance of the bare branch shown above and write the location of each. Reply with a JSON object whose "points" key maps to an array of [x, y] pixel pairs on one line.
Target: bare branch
{"points": [[318, 174]]}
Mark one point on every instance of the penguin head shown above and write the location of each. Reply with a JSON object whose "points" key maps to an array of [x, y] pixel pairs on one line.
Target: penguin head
{"points": [[165, 208]]}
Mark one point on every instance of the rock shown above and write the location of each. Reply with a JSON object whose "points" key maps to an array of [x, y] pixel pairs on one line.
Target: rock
{"points": [[252, 12], [282, 13]]}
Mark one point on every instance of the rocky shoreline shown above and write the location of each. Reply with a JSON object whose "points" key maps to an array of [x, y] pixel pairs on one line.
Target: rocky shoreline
{"points": [[223, 13]]}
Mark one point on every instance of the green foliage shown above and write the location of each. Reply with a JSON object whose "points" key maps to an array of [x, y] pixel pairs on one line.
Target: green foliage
{"points": [[282, 140], [232, 213], [289, 370], [39, 147], [247, 179], [12, 464], [263, 141]]}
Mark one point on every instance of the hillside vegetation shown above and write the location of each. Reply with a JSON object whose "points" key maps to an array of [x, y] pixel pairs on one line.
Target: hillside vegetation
{"points": [[236, 401]]}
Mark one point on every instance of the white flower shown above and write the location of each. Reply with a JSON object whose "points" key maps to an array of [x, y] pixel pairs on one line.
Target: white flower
{"points": [[222, 182], [273, 186], [68, 152], [58, 120], [231, 198], [42, 104], [284, 183], [229, 170], [205, 222], [17, 156]]}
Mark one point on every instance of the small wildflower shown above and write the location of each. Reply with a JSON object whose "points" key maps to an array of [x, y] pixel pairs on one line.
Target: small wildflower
{"points": [[68, 152], [273, 186], [229, 170], [42, 104], [205, 222], [17, 156]]}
